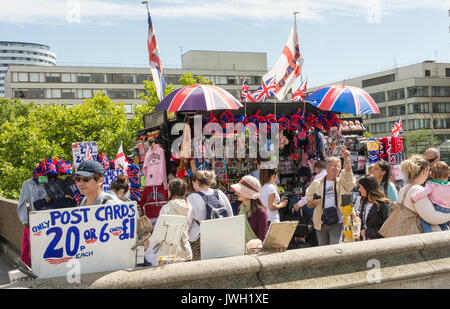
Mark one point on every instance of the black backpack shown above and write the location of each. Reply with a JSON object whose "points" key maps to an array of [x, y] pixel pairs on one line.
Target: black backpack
{"points": [[214, 208]]}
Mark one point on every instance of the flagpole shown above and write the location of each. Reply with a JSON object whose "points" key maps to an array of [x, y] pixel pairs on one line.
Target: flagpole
{"points": [[146, 3]]}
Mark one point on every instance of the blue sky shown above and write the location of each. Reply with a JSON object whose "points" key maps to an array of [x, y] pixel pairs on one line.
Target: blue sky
{"points": [[339, 39]]}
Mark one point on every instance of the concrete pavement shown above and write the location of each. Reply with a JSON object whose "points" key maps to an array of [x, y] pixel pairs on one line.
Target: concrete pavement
{"points": [[5, 266]]}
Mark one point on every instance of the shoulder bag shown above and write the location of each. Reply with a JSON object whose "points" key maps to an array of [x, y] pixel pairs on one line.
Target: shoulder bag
{"points": [[401, 221]]}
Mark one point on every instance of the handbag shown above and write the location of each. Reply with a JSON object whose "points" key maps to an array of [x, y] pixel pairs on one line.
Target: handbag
{"points": [[401, 221], [330, 216]]}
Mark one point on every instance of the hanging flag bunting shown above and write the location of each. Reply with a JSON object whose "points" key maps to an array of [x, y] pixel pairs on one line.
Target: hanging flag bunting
{"points": [[300, 94], [266, 90], [397, 129], [288, 66], [155, 61]]}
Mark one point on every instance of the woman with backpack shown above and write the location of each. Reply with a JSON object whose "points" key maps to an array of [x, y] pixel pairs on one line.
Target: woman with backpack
{"points": [[374, 207], [206, 203]]}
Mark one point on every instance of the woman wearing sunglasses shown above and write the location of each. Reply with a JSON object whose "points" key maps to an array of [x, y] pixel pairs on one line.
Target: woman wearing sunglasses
{"points": [[89, 179]]}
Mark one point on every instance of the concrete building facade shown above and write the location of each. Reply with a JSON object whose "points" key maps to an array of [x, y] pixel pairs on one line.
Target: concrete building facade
{"points": [[418, 93], [72, 84], [22, 53]]}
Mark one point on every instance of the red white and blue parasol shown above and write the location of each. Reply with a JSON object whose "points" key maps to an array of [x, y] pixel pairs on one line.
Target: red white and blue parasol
{"points": [[345, 99], [198, 98]]}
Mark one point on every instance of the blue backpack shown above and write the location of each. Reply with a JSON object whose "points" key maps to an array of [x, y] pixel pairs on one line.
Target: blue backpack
{"points": [[214, 208]]}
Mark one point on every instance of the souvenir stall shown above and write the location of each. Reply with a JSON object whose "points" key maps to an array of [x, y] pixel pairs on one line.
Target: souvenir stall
{"points": [[391, 150]]}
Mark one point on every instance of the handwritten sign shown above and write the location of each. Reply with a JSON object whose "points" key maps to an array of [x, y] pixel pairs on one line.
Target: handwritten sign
{"points": [[98, 237], [109, 177], [84, 151]]}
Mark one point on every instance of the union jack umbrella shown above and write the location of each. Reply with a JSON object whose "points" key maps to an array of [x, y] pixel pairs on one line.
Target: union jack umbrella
{"points": [[300, 94], [198, 98], [266, 90], [397, 129], [345, 99]]}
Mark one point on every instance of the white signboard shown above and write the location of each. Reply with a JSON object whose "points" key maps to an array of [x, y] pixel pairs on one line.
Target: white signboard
{"points": [[222, 237], [98, 237], [84, 151]]}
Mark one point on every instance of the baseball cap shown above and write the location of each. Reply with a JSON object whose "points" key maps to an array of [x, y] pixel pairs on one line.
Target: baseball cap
{"points": [[89, 168]]}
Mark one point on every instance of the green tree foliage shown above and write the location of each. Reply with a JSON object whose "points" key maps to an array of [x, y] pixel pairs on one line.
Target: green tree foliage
{"points": [[31, 133], [416, 142], [48, 131]]}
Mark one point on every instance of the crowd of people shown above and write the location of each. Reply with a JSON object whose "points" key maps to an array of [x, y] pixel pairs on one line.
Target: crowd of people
{"points": [[426, 192]]}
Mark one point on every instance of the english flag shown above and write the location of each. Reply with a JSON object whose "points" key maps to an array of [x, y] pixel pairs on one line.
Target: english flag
{"points": [[155, 61], [300, 94], [120, 163], [397, 129], [288, 66]]}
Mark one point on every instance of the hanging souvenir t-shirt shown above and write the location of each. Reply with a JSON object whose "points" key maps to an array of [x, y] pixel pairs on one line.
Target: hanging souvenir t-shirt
{"points": [[154, 168]]}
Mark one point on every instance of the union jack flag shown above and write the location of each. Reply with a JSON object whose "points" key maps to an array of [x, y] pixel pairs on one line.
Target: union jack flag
{"points": [[397, 129], [300, 94], [135, 194], [155, 61], [267, 89], [244, 92]]}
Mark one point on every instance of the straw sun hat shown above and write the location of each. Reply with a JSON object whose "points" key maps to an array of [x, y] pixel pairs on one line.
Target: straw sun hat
{"points": [[248, 187]]}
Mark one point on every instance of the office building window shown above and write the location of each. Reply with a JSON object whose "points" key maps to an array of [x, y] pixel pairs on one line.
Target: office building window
{"points": [[21, 93], [34, 77], [141, 77], [378, 80], [379, 97], [415, 108], [418, 91], [441, 107], [441, 123], [35, 93], [84, 93], [52, 77], [447, 72], [443, 91], [397, 110], [221, 80], [427, 73], [23, 77], [83, 78], [418, 124], [382, 113], [67, 94], [396, 94], [98, 78], [378, 127], [232, 80], [121, 94], [172, 79], [56, 93], [127, 79]]}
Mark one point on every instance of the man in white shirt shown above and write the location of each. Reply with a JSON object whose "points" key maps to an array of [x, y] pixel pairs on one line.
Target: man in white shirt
{"points": [[327, 217]]}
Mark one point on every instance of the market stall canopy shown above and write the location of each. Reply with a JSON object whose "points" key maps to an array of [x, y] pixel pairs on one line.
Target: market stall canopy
{"points": [[198, 98], [345, 99]]}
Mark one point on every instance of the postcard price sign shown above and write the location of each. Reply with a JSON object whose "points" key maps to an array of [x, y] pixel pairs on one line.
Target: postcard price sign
{"points": [[98, 237]]}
